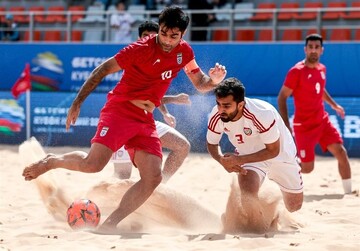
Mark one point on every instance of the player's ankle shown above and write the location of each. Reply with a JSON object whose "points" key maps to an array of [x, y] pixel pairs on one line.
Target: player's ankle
{"points": [[347, 186]]}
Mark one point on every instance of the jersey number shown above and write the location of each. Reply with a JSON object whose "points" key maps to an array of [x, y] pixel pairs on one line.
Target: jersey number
{"points": [[239, 138], [166, 75]]}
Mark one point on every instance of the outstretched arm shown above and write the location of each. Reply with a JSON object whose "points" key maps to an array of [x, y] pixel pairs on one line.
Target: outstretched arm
{"points": [[179, 99], [283, 95], [201, 81], [107, 67], [335, 106]]}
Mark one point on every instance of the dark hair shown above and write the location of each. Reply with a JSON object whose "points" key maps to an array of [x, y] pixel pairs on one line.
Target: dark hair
{"points": [[148, 26], [314, 37], [119, 2], [174, 17], [231, 86]]}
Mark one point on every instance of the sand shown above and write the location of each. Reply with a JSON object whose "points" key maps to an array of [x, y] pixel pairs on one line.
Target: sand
{"points": [[184, 214]]}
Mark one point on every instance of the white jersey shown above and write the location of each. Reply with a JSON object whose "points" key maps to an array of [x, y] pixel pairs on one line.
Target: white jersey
{"points": [[122, 156], [123, 21], [260, 124]]}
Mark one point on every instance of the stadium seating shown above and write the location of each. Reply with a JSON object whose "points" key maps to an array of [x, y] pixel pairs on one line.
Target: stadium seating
{"points": [[223, 16], [245, 35], [36, 36], [134, 10], [353, 14], [94, 14], [309, 15], [19, 18], [357, 35], [265, 35], [52, 36], [220, 35], [39, 13], [254, 26], [93, 36], [77, 12], [333, 15], [244, 15], [2, 16], [340, 35], [263, 16], [287, 16], [55, 15], [76, 36], [291, 35], [323, 32]]}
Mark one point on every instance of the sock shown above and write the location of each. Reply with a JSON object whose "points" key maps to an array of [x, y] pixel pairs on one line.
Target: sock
{"points": [[347, 186]]}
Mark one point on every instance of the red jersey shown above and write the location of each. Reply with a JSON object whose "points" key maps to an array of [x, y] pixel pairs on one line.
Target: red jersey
{"points": [[308, 85], [148, 70]]}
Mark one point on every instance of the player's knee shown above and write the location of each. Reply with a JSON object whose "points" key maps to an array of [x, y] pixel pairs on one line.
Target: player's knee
{"points": [[153, 181], [183, 146], [342, 152], [307, 167], [294, 205]]}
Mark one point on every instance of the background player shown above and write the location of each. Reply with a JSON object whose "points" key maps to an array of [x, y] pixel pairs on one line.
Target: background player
{"points": [[306, 83]]}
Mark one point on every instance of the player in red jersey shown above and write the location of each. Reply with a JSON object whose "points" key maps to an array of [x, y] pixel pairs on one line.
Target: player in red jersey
{"points": [[306, 82], [148, 67], [170, 138]]}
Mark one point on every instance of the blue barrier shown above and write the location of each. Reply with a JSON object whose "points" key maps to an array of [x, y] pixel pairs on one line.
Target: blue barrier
{"points": [[48, 115], [262, 67]]}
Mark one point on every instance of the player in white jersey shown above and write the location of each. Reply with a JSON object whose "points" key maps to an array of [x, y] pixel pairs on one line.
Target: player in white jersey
{"points": [[264, 146], [171, 139]]}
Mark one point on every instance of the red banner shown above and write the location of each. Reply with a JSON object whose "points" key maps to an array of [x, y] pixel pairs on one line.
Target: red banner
{"points": [[23, 83]]}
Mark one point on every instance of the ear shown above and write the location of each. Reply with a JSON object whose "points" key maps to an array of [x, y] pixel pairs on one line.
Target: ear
{"points": [[241, 105], [183, 34]]}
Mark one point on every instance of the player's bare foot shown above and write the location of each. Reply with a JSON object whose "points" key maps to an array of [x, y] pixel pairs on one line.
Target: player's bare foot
{"points": [[34, 170], [106, 229]]}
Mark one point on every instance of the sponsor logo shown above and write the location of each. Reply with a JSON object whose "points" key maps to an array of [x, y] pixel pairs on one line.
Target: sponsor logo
{"points": [[309, 76], [179, 58], [302, 153], [322, 75], [247, 131], [157, 61], [104, 131]]}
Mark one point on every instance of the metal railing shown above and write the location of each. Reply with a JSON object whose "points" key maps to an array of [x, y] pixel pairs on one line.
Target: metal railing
{"points": [[99, 21]]}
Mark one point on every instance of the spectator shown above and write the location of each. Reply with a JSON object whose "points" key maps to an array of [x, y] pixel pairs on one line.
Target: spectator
{"points": [[9, 31], [202, 20], [121, 23]]}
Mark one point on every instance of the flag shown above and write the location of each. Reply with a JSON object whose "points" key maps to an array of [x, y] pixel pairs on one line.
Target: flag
{"points": [[23, 83]]}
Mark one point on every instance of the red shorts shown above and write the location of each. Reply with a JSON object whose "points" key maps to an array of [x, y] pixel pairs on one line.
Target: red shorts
{"points": [[126, 124], [324, 134]]}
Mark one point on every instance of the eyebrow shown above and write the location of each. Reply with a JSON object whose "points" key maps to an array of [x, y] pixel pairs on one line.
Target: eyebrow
{"points": [[172, 34]]}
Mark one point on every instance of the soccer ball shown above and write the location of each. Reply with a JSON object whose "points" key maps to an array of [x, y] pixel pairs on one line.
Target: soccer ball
{"points": [[83, 214]]}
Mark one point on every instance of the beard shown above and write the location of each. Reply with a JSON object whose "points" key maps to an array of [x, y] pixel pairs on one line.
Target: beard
{"points": [[228, 117], [313, 59]]}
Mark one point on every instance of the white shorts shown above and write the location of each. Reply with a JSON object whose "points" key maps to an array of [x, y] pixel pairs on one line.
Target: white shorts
{"points": [[287, 175], [122, 156]]}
